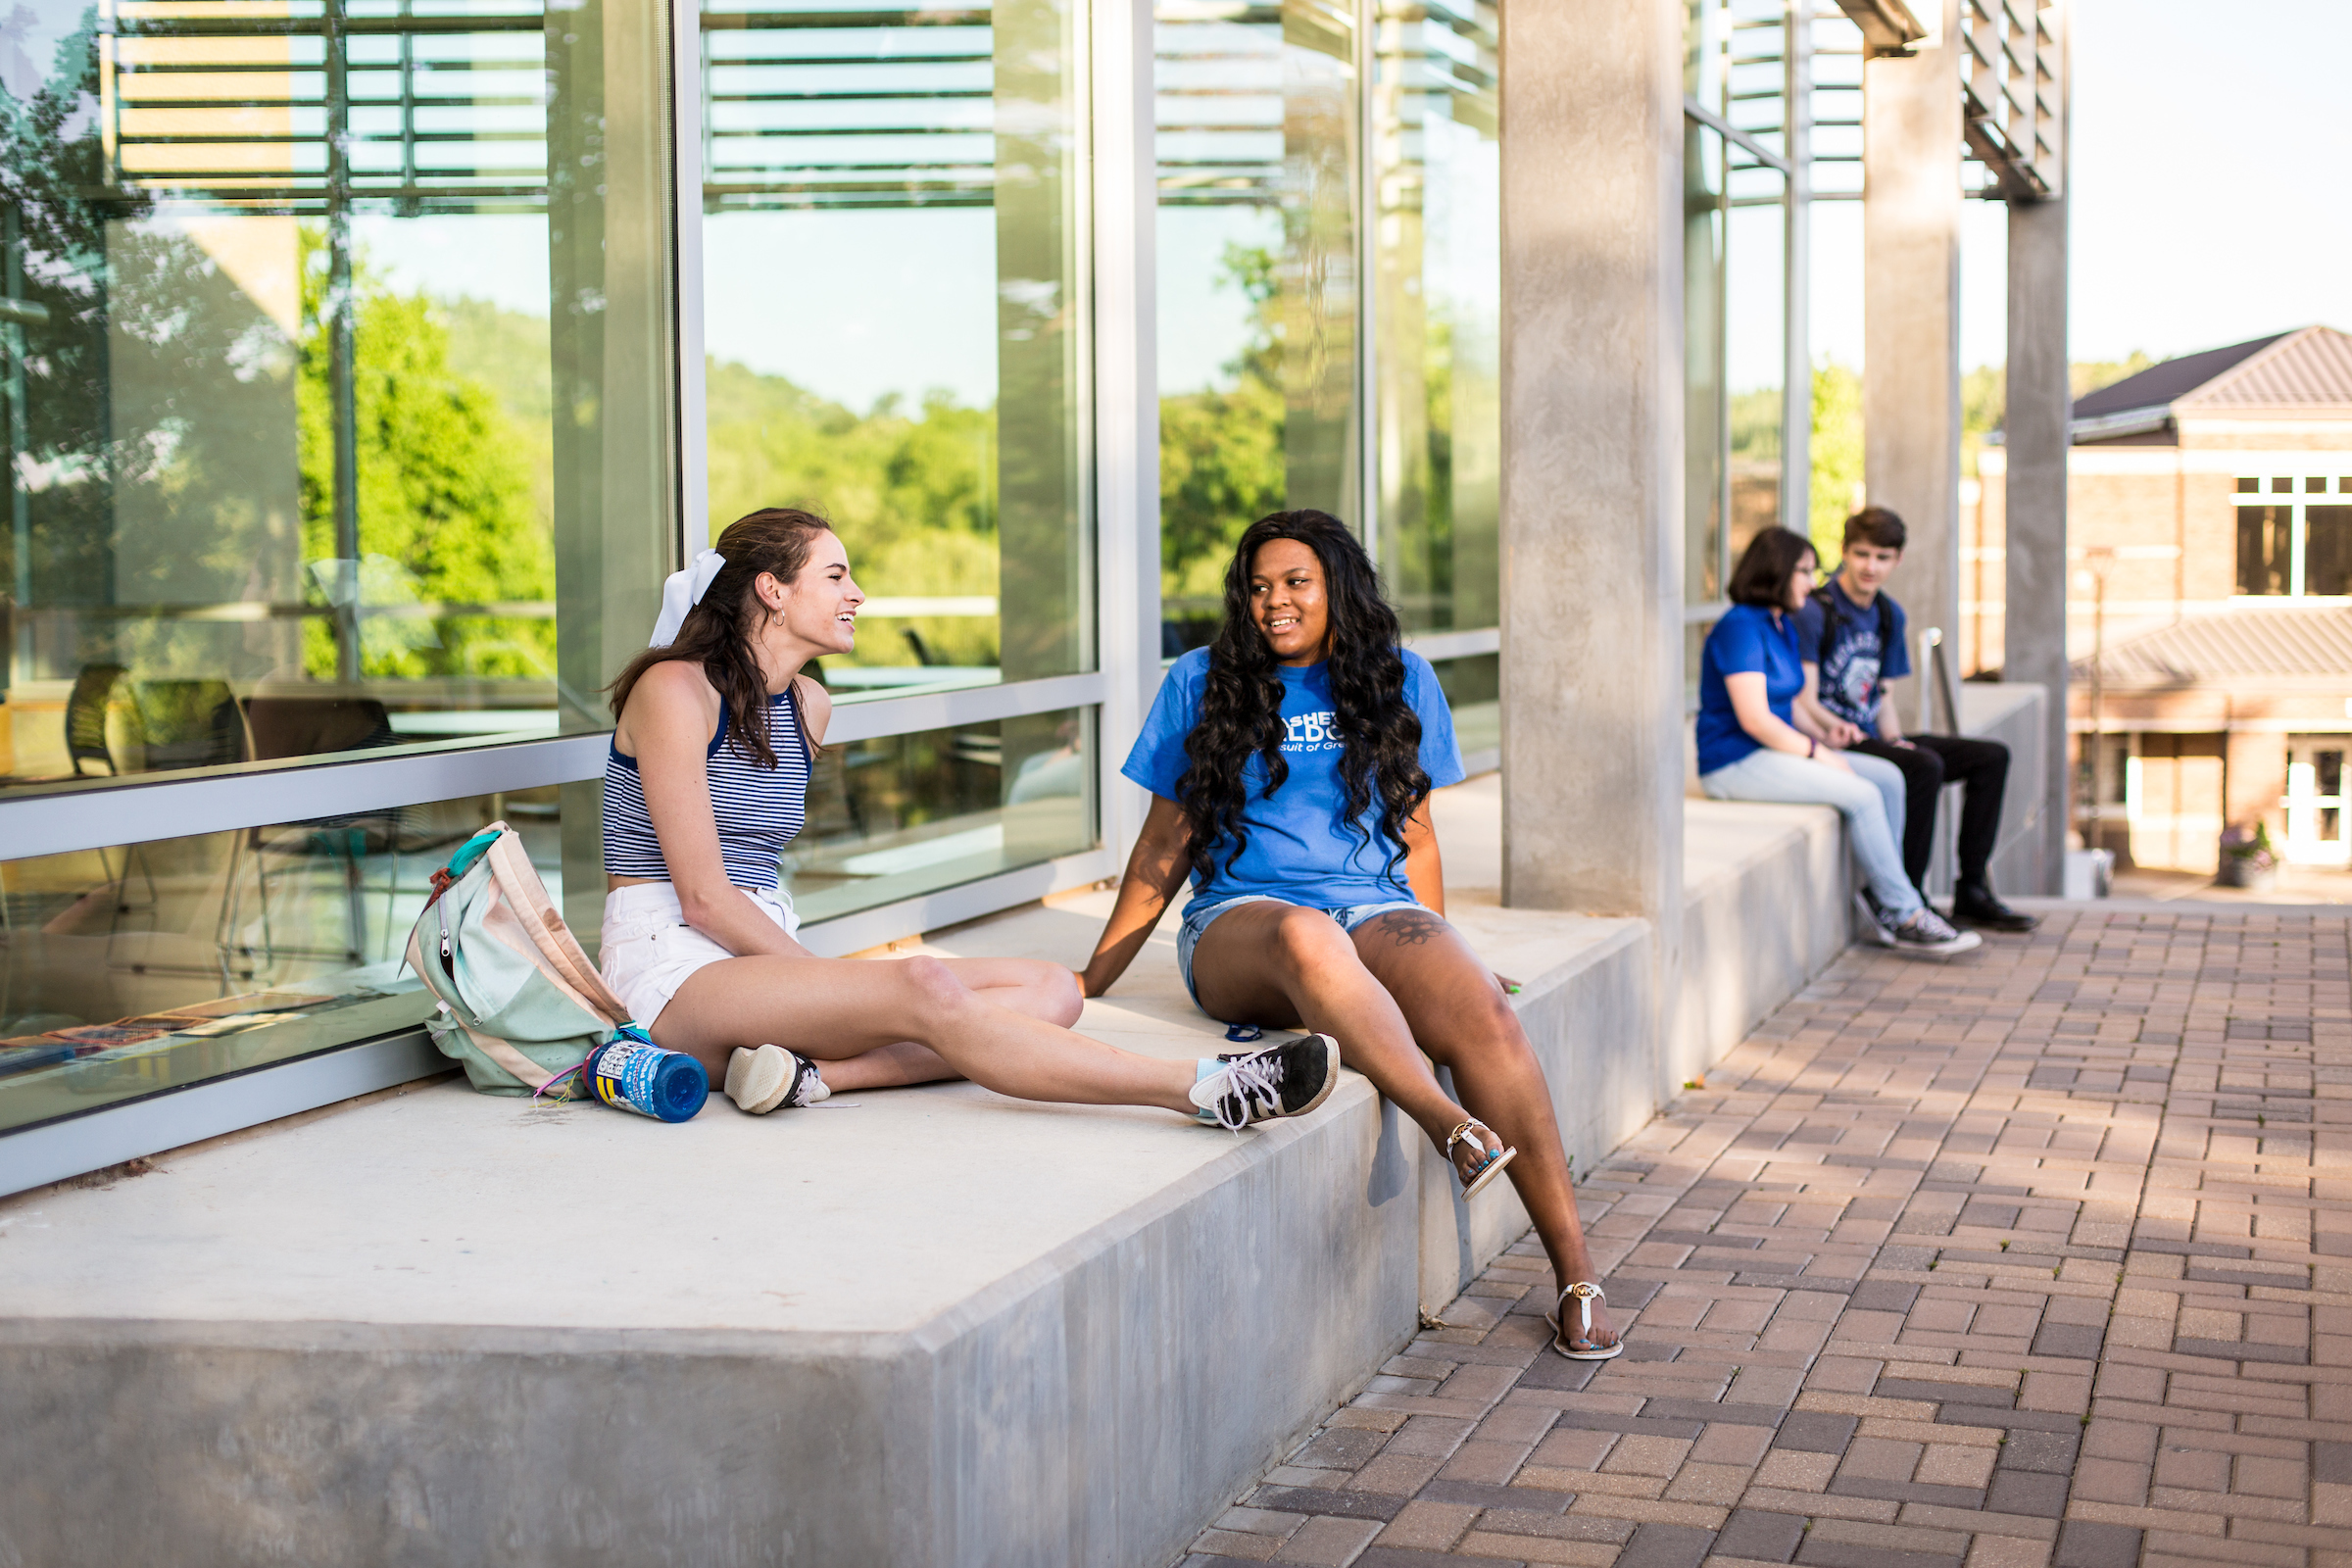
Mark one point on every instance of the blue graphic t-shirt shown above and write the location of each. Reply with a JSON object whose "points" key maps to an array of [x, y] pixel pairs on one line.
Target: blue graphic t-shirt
{"points": [[1856, 666], [1748, 640], [1298, 844]]}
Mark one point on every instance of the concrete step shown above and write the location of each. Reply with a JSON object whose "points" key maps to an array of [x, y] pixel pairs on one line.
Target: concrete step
{"points": [[918, 1327]]}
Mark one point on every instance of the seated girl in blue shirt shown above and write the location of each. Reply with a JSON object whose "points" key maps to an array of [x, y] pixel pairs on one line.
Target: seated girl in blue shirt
{"points": [[1755, 744], [1289, 765]]}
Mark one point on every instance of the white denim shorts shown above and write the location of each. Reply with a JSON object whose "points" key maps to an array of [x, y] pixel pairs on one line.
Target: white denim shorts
{"points": [[648, 948]]}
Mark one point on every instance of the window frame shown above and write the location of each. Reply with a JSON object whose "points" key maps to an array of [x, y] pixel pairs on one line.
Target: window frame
{"points": [[2307, 485]]}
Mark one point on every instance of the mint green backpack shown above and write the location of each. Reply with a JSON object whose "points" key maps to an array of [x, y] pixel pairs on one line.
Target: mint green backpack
{"points": [[520, 1006]]}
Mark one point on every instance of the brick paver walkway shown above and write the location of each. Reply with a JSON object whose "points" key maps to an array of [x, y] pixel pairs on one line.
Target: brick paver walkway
{"points": [[2044, 1257]]}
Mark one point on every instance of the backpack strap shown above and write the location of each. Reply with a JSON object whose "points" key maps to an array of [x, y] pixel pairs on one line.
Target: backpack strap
{"points": [[1831, 616]]}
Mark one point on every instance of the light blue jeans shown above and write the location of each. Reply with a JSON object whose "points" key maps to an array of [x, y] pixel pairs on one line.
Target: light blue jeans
{"points": [[1871, 799]]}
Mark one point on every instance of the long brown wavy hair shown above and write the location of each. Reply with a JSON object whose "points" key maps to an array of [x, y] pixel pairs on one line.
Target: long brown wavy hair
{"points": [[1241, 702], [716, 633]]}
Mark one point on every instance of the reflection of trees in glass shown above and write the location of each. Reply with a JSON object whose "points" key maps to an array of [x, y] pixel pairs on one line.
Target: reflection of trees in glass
{"points": [[445, 488], [913, 495], [1754, 421], [1837, 488], [50, 153], [1222, 455]]}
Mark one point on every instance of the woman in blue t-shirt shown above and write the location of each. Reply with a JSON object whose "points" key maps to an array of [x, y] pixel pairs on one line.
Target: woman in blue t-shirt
{"points": [[1290, 765], [1755, 744]]}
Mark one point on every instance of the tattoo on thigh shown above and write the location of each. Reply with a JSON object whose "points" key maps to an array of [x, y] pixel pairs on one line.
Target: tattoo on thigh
{"points": [[1410, 928]]}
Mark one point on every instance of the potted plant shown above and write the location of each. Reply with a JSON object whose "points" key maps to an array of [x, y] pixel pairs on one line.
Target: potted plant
{"points": [[2247, 858]]}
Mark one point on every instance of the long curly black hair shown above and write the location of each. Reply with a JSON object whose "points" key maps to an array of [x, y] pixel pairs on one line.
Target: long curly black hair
{"points": [[1241, 705]]}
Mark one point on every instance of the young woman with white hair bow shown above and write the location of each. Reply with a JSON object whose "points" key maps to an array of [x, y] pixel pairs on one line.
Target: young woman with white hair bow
{"points": [[716, 731]]}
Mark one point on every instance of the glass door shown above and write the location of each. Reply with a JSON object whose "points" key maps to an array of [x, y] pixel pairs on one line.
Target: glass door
{"points": [[2315, 801]]}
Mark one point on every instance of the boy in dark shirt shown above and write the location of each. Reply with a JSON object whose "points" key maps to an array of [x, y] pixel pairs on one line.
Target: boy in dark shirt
{"points": [[1850, 637]]}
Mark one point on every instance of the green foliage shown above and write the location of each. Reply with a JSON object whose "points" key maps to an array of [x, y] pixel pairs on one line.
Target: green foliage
{"points": [[914, 496], [507, 352], [1222, 455], [2085, 376], [444, 502], [1755, 419], [1836, 456], [1984, 399]]}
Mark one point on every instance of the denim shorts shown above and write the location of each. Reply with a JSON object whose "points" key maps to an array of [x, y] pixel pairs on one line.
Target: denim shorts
{"points": [[1198, 916]]}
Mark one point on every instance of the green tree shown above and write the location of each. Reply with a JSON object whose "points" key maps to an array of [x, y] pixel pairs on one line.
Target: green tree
{"points": [[1837, 443], [445, 495], [2085, 376], [1221, 455], [913, 495]]}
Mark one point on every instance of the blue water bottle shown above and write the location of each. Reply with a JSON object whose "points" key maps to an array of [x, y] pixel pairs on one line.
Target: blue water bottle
{"points": [[632, 1072]]}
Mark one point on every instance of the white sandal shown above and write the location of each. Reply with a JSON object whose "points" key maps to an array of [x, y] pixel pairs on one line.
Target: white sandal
{"points": [[1585, 1293], [1488, 1167], [765, 1077]]}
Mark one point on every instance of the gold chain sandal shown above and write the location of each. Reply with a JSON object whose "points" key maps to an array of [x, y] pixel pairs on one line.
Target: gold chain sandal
{"points": [[1585, 1293], [1486, 1169]]}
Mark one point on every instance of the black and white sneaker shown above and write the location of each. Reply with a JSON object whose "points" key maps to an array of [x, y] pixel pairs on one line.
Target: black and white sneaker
{"points": [[1286, 1080], [766, 1078], [1875, 927], [1927, 932]]}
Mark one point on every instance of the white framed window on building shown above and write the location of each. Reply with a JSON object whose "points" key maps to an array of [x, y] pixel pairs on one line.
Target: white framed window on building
{"points": [[2294, 533]]}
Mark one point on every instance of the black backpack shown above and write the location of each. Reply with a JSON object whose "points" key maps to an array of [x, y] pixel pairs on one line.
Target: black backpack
{"points": [[1833, 615]]}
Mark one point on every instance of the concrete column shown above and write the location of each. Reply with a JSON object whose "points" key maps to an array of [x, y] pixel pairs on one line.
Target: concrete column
{"points": [[1911, 144], [2036, 425], [1592, 460]]}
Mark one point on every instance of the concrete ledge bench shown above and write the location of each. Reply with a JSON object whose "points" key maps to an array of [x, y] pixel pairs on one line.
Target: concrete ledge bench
{"points": [[918, 1327]]}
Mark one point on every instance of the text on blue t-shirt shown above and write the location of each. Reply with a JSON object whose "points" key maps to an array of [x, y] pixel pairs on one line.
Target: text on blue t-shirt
{"points": [[1857, 664], [1298, 844], [1748, 640]]}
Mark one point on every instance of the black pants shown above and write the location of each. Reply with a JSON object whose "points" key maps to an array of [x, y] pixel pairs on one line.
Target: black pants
{"points": [[1930, 762]]}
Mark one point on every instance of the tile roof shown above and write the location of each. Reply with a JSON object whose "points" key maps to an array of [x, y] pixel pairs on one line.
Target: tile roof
{"points": [[2245, 641], [2310, 367], [2160, 384]]}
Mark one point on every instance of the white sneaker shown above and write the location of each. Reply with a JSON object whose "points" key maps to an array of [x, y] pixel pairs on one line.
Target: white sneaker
{"points": [[765, 1077], [1928, 932]]}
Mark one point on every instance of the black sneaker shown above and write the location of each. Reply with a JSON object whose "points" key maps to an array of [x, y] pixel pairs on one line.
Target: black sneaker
{"points": [[1286, 1080], [1926, 932], [1976, 905], [1875, 927]]}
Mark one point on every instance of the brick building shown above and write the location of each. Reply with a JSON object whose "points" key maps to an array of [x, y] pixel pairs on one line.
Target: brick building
{"points": [[2209, 605]]}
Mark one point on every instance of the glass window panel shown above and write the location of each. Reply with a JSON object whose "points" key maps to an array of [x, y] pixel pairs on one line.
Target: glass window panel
{"points": [[915, 175], [908, 814], [1439, 234], [2265, 545], [1473, 689], [1755, 363], [330, 364], [2247, 486], [2327, 550], [1258, 158], [2316, 487], [187, 959], [2282, 486]]}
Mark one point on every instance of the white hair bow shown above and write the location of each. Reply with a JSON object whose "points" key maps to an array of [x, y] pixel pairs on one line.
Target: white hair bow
{"points": [[681, 591]]}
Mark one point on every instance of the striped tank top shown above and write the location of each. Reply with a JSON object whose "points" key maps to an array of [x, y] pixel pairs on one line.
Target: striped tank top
{"points": [[759, 810]]}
